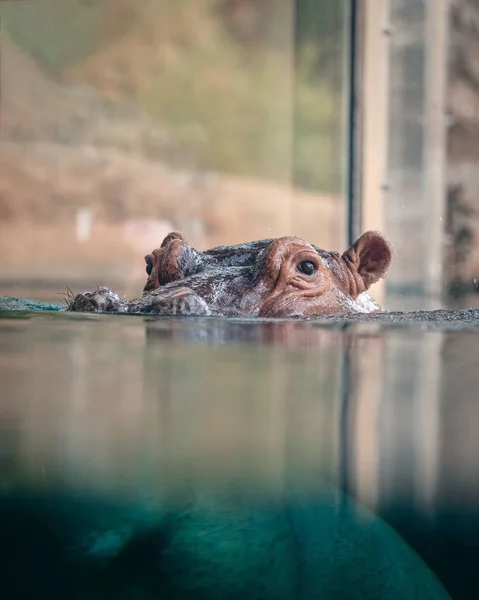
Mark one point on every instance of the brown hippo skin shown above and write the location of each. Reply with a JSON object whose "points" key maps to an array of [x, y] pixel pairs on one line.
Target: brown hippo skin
{"points": [[283, 277]]}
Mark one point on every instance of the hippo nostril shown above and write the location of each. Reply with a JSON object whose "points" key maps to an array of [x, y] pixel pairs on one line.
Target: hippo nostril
{"points": [[149, 269], [307, 267]]}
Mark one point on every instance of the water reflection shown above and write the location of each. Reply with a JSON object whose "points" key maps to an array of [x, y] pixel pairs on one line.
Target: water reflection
{"points": [[123, 387], [151, 411]]}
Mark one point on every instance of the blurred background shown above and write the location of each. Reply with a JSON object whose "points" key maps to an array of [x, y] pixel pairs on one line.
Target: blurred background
{"points": [[231, 120], [125, 119]]}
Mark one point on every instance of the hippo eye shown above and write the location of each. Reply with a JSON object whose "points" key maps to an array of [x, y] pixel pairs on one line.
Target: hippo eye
{"points": [[307, 267], [149, 269]]}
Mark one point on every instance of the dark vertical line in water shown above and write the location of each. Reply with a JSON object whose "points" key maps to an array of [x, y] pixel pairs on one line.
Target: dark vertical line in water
{"points": [[344, 410], [352, 200]]}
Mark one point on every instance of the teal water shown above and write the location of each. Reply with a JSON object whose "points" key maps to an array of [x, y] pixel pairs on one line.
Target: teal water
{"points": [[210, 458]]}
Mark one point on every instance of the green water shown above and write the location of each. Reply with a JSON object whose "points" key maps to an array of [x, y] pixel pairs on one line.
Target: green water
{"points": [[212, 458]]}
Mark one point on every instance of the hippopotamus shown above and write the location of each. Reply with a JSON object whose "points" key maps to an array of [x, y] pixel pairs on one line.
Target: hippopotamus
{"points": [[202, 545], [270, 278]]}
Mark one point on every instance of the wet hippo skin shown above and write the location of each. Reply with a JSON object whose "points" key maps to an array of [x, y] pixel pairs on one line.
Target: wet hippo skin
{"points": [[283, 277], [296, 547]]}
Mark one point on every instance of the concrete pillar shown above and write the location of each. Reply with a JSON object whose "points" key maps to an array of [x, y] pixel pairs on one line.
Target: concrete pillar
{"points": [[403, 135]]}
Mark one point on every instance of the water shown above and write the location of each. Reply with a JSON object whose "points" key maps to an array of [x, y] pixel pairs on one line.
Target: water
{"points": [[212, 458]]}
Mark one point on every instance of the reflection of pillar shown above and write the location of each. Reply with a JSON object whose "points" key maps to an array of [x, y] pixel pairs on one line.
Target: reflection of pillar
{"points": [[428, 419], [408, 435], [459, 439], [395, 421], [368, 393]]}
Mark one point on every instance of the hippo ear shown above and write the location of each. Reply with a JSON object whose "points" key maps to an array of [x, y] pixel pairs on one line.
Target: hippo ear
{"points": [[369, 257], [176, 259], [174, 235]]}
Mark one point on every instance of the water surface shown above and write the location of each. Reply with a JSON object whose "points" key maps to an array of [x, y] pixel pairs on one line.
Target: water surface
{"points": [[258, 437]]}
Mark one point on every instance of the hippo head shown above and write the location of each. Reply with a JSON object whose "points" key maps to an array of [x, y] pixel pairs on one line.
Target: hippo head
{"points": [[293, 278], [280, 277]]}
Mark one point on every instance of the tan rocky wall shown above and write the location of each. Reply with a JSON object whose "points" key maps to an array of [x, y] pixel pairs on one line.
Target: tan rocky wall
{"points": [[89, 215]]}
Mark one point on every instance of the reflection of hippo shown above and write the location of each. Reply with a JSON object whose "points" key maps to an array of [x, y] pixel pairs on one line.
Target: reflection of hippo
{"points": [[205, 546], [282, 277]]}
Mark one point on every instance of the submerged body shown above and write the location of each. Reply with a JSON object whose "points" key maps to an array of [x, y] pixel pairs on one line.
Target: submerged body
{"points": [[283, 277]]}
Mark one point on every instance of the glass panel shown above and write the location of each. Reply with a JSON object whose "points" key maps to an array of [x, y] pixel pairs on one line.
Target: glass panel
{"points": [[124, 120]]}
